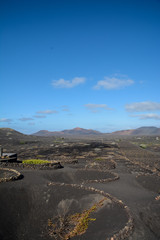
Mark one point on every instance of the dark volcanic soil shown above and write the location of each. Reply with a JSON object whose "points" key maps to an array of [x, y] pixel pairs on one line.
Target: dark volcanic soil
{"points": [[27, 204], [71, 175]]}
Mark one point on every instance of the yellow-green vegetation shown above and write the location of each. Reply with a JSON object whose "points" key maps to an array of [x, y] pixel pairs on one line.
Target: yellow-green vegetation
{"points": [[77, 224], [99, 159], [35, 161], [144, 146], [40, 156], [22, 142], [82, 221], [59, 140]]}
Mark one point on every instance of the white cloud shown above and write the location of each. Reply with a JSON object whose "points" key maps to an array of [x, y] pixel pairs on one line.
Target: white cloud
{"points": [[47, 112], [147, 116], [25, 119], [95, 107], [61, 83], [7, 120], [110, 83], [142, 106]]}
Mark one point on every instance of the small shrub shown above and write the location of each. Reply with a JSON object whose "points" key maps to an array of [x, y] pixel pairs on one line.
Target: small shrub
{"points": [[74, 225], [144, 146], [99, 159], [40, 156], [35, 161]]}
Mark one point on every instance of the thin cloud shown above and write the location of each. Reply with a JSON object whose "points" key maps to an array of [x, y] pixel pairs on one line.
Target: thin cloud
{"points": [[65, 110], [40, 116], [96, 107], [110, 83], [7, 120], [142, 106], [47, 112], [147, 116], [61, 83], [25, 119], [31, 124]]}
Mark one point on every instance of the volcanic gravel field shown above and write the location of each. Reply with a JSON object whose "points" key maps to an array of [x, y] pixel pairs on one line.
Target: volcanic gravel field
{"points": [[103, 191]]}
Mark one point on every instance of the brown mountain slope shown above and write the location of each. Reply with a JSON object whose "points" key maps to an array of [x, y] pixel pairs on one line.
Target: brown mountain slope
{"points": [[9, 133], [139, 131], [124, 132]]}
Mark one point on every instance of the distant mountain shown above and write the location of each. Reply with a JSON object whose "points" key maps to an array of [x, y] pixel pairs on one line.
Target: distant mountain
{"points": [[123, 132], [8, 134], [146, 131], [139, 131], [43, 133], [85, 132], [72, 132]]}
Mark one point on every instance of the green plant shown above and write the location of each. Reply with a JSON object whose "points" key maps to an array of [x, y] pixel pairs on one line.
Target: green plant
{"points": [[35, 161], [40, 156], [99, 159], [73, 225], [82, 220], [22, 142], [144, 146]]}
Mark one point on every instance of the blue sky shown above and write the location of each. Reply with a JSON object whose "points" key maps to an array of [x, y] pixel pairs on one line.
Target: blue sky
{"points": [[90, 64]]}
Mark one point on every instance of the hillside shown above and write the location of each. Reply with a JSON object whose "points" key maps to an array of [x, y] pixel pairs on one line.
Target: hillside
{"points": [[9, 133], [13, 137]]}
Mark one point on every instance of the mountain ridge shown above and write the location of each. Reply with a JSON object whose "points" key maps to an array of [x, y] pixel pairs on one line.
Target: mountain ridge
{"points": [[11, 133], [74, 131], [81, 131]]}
